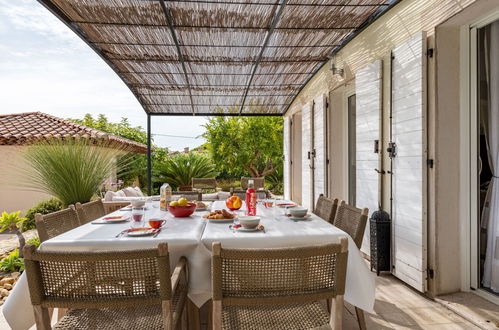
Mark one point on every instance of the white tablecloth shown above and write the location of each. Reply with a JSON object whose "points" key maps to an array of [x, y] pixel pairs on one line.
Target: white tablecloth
{"points": [[192, 237]]}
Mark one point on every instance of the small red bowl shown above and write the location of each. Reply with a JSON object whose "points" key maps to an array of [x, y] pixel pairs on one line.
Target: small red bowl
{"points": [[182, 211]]}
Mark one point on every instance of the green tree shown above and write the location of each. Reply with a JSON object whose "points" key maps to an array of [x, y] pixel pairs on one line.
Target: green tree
{"points": [[13, 222], [136, 164], [245, 145]]}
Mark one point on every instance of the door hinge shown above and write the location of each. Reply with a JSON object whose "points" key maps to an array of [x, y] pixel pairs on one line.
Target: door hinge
{"points": [[430, 272], [392, 149], [429, 52], [327, 161], [430, 163]]}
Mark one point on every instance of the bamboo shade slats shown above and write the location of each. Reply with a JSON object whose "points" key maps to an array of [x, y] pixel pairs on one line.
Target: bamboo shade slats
{"points": [[216, 57]]}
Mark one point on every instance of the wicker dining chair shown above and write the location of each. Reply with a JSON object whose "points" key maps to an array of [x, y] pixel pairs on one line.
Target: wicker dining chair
{"points": [[56, 223], [107, 290], [90, 211], [353, 221], [204, 184], [278, 288], [326, 208]]}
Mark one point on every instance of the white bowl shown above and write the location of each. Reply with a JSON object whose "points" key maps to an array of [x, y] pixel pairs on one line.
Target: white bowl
{"points": [[138, 202], [249, 222], [298, 211]]}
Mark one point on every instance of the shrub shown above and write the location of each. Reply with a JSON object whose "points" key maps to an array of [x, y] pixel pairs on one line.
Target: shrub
{"points": [[43, 207], [71, 170], [34, 241], [275, 181], [226, 185], [179, 169], [12, 263], [13, 222]]}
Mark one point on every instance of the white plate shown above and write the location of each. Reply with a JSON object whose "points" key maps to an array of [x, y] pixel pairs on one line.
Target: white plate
{"points": [[245, 230], [141, 232], [104, 220]]}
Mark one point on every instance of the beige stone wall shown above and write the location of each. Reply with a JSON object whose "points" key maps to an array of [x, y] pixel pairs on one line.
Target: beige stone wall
{"points": [[376, 42], [12, 196]]}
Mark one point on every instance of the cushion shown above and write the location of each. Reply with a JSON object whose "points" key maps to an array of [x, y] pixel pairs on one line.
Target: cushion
{"points": [[130, 192], [210, 197], [109, 195], [223, 195], [139, 192]]}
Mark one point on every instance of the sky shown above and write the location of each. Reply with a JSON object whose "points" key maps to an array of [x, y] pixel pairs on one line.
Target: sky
{"points": [[45, 67]]}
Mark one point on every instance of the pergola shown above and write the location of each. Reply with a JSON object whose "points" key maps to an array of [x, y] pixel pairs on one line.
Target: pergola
{"points": [[216, 57]]}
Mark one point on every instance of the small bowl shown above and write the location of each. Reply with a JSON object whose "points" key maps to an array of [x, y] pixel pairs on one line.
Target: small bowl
{"points": [[182, 211], [249, 222], [138, 202], [298, 211]]}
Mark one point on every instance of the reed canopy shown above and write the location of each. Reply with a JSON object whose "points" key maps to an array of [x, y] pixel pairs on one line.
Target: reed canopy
{"points": [[216, 57]]}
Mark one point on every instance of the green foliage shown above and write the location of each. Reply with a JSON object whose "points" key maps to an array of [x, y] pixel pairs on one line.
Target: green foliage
{"points": [[136, 164], [275, 181], [179, 169], [11, 221], [12, 263], [245, 145], [70, 170], [43, 207], [226, 185], [34, 241]]}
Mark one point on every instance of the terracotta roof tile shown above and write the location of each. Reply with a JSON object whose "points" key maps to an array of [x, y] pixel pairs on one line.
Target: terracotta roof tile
{"points": [[28, 127]]}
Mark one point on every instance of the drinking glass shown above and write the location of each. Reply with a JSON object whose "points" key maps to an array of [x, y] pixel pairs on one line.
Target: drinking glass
{"points": [[138, 217]]}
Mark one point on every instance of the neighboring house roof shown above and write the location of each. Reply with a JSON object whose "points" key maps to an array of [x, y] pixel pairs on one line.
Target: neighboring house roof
{"points": [[28, 127]]}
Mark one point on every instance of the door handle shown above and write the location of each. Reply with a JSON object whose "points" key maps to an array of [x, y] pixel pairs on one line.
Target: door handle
{"points": [[380, 172]]}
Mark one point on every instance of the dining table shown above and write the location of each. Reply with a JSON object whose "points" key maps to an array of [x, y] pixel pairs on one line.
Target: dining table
{"points": [[192, 237]]}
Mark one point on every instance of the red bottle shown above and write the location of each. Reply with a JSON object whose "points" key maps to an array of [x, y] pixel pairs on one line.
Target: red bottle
{"points": [[251, 198]]}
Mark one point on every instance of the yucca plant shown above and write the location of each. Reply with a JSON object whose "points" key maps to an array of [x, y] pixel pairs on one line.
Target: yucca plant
{"points": [[70, 170], [179, 169]]}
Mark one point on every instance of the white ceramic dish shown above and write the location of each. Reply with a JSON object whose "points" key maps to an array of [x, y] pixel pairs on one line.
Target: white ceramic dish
{"points": [[147, 232], [247, 230], [298, 211], [306, 217], [138, 203], [113, 219], [249, 222]]}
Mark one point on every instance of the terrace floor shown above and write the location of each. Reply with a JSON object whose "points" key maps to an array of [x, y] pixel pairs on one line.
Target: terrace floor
{"points": [[397, 307]]}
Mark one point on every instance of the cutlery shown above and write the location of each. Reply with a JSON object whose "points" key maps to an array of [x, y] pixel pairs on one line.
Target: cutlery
{"points": [[157, 232], [121, 233]]}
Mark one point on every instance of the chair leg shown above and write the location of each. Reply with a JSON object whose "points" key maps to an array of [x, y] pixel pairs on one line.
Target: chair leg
{"points": [[336, 318], [360, 318], [42, 318], [61, 312], [193, 315]]}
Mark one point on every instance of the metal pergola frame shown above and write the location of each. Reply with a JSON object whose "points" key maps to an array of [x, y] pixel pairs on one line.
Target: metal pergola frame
{"points": [[288, 90]]}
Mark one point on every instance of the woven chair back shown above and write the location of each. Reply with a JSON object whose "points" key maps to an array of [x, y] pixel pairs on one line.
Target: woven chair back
{"points": [[278, 276], [56, 223], [259, 183], [326, 208], [352, 220], [91, 280], [204, 183], [242, 194], [90, 211]]}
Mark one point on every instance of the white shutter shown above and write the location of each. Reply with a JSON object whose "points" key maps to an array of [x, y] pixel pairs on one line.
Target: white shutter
{"points": [[306, 159], [287, 157], [368, 88], [409, 172], [319, 147]]}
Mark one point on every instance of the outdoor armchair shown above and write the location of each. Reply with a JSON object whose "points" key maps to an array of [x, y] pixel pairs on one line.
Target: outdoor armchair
{"points": [[107, 290], [326, 208], [90, 211], [200, 184], [278, 288], [56, 223]]}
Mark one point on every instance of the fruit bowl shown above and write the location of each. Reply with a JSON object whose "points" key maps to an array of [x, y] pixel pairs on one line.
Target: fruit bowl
{"points": [[182, 211]]}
